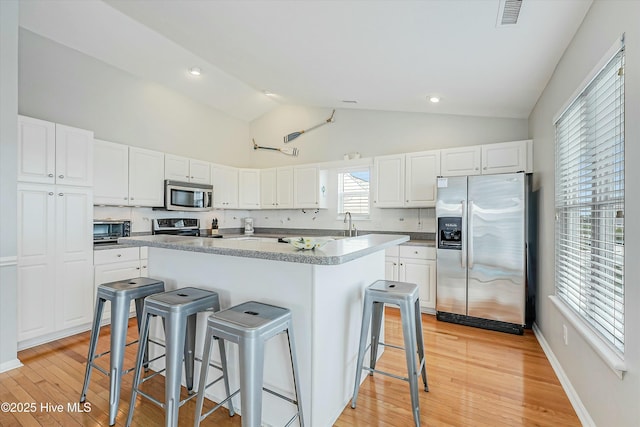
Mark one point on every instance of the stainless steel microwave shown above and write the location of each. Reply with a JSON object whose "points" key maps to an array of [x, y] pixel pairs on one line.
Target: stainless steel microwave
{"points": [[108, 231], [186, 196]]}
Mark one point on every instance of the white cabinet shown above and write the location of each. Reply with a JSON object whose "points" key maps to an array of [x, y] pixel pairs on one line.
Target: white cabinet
{"points": [[117, 264], [55, 248], [225, 186], [502, 157], [276, 188], [146, 177], [179, 168], [309, 187], [421, 174], [249, 188], [460, 161], [414, 264], [406, 180], [50, 153], [507, 157], [111, 173]]}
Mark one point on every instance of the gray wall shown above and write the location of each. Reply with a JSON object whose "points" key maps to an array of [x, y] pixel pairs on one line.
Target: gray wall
{"points": [[8, 168], [609, 400]]}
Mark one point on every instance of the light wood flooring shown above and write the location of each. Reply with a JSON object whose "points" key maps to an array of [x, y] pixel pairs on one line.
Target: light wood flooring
{"points": [[476, 378]]}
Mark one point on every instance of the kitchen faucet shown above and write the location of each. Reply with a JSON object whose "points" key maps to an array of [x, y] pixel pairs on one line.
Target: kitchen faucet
{"points": [[347, 214]]}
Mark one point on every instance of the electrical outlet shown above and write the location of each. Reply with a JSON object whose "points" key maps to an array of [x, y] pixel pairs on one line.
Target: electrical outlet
{"points": [[565, 335]]}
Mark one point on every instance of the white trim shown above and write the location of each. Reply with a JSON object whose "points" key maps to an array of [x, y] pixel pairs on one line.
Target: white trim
{"points": [[580, 409], [611, 52], [8, 261], [9, 365], [606, 353], [32, 342]]}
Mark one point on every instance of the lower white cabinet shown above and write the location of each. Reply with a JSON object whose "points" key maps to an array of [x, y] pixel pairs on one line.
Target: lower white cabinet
{"points": [[55, 250], [414, 264], [117, 264]]}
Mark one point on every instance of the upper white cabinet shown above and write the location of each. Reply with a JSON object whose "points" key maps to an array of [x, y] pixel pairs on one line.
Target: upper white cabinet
{"points": [[309, 187], [421, 173], [225, 186], [388, 181], [503, 157], [276, 188], [179, 168], [460, 161], [111, 173], [406, 180], [146, 177], [50, 153], [248, 188]]}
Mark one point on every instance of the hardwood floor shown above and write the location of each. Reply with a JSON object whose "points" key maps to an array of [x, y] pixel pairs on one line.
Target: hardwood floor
{"points": [[476, 378]]}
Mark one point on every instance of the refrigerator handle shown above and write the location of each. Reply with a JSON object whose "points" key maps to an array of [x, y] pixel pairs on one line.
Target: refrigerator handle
{"points": [[464, 235], [470, 238]]}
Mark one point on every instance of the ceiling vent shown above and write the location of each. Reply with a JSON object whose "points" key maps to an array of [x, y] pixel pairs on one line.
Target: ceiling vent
{"points": [[508, 12]]}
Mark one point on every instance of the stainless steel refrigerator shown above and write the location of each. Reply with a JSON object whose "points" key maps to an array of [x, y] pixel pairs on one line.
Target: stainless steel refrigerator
{"points": [[483, 252]]}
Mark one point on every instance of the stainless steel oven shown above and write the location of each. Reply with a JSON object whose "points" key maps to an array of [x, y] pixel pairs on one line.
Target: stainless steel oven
{"points": [[108, 231], [185, 196]]}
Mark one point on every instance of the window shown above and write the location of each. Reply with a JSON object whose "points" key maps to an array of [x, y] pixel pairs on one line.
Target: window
{"points": [[589, 203], [353, 192]]}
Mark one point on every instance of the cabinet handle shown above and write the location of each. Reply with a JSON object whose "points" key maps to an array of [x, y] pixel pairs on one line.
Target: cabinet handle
{"points": [[125, 198], [191, 177], [407, 201], [485, 168], [50, 175], [60, 194], [51, 193], [137, 268], [60, 176], [132, 198], [477, 168], [415, 252]]}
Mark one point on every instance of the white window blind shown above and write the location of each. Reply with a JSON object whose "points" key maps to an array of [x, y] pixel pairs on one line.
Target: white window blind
{"points": [[589, 202], [353, 192]]}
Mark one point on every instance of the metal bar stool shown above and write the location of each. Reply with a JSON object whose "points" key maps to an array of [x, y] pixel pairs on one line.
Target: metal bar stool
{"points": [[120, 295], [178, 310], [406, 296], [250, 325]]}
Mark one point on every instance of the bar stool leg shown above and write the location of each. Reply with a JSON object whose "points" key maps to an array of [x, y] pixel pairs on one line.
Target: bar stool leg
{"points": [[93, 342], [364, 330], [376, 327], [175, 344], [420, 343], [409, 333], [189, 351], [119, 314], [139, 307], [144, 333], [251, 355], [294, 368], [225, 376], [202, 383]]}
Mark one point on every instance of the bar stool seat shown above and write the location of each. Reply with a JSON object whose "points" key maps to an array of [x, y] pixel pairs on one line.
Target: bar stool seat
{"points": [[120, 294], [406, 297], [250, 325], [178, 310]]}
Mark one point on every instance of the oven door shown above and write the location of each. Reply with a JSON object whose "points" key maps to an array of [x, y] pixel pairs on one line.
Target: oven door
{"points": [[183, 196]]}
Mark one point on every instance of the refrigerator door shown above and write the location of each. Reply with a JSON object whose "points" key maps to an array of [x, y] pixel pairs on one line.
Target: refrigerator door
{"points": [[496, 247], [451, 264]]}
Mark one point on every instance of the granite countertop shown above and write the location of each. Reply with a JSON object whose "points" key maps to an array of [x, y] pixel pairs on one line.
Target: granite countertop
{"points": [[332, 253]]}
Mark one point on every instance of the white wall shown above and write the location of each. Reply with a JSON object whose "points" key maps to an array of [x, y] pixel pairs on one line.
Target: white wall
{"points": [[608, 400], [8, 170]]}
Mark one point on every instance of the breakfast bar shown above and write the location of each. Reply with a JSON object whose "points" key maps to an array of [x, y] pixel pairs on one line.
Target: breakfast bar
{"points": [[322, 287]]}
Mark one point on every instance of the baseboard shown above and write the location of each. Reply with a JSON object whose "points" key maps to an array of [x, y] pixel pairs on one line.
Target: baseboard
{"points": [[23, 345], [9, 365], [580, 409]]}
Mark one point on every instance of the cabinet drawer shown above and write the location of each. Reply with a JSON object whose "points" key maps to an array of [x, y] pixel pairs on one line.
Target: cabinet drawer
{"points": [[421, 252], [108, 256], [392, 251]]}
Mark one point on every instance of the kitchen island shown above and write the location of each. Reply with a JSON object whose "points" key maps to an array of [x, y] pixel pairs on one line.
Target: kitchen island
{"points": [[323, 288]]}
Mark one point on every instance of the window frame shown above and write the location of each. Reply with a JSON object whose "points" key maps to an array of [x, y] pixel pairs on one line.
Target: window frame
{"points": [[340, 194]]}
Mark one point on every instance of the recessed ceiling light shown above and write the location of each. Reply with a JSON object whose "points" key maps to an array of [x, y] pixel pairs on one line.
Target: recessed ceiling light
{"points": [[268, 93], [434, 99], [195, 71]]}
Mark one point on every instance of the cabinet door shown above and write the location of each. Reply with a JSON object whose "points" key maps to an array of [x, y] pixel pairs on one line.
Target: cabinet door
{"points": [[504, 157], [460, 161], [391, 268], [389, 181], [268, 188], [74, 156], [176, 168], [74, 256], [199, 172], [225, 187], [422, 170], [422, 273], [284, 188], [249, 189], [305, 187], [36, 150], [116, 271], [110, 173], [146, 177], [36, 260]]}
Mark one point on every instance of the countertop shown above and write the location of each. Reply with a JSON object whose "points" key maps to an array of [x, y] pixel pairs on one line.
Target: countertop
{"points": [[335, 252]]}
